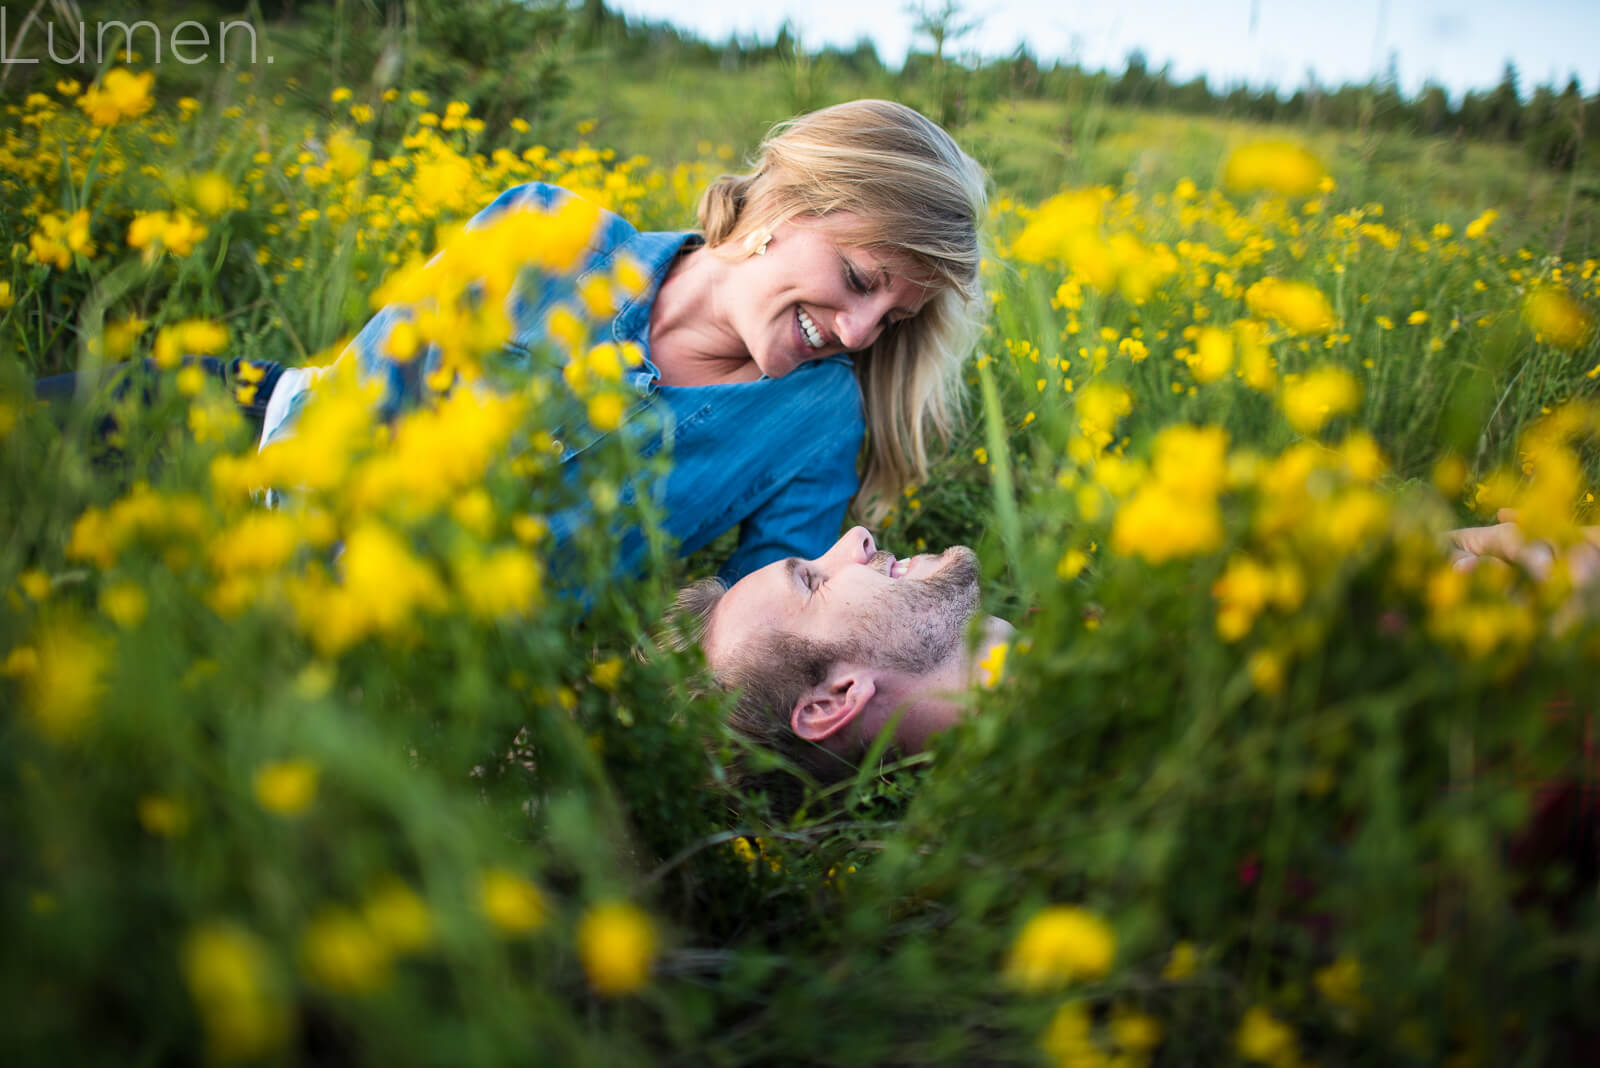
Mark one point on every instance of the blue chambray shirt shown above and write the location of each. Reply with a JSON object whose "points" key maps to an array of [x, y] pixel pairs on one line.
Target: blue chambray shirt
{"points": [[776, 456]]}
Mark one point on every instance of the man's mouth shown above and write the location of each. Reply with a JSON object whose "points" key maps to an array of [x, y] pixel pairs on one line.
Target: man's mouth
{"points": [[808, 328], [886, 563]]}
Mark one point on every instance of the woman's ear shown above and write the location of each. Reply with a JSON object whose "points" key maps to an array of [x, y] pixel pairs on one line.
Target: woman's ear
{"points": [[828, 708]]}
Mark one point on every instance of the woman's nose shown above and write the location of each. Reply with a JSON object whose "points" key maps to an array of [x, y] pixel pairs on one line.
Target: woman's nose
{"points": [[856, 327]]}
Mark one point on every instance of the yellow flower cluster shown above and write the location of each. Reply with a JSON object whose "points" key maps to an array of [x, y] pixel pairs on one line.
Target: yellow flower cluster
{"points": [[1175, 514], [1059, 945], [1275, 167], [120, 94], [58, 238], [156, 231]]}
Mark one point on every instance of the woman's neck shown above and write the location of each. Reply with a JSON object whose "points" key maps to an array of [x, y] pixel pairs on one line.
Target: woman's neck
{"points": [[690, 341]]}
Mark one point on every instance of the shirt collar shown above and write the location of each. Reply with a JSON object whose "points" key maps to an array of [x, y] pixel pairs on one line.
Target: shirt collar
{"points": [[655, 251]]}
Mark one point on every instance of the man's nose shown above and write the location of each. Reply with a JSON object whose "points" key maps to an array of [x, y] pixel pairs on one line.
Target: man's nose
{"points": [[856, 547]]}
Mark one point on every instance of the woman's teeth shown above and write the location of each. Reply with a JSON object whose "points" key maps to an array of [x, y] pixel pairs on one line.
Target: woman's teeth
{"points": [[809, 328]]}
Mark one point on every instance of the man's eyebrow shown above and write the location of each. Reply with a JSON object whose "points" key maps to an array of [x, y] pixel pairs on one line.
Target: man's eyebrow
{"points": [[790, 566]]}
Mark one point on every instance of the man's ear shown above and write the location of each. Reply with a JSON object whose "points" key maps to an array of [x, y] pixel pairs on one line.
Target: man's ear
{"points": [[828, 708]]}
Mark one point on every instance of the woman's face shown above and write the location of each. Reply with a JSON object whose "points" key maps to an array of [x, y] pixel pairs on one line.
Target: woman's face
{"points": [[813, 295]]}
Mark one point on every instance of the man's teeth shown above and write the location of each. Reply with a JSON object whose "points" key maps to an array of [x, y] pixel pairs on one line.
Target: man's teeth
{"points": [[813, 335], [899, 568]]}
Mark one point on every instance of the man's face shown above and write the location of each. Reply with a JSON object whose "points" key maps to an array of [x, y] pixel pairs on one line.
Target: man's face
{"points": [[908, 615]]}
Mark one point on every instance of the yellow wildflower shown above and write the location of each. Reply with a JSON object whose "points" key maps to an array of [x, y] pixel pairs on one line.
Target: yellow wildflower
{"points": [[608, 673], [1061, 943], [992, 668], [1182, 963], [1265, 1039], [617, 944], [286, 787], [1319, 396], [1340, 982], [1557, 319], [1273, 166], [1299, 306], [342, 954], [119, 95], [163, 816], [398, 917], [512, 904], [65, 680], [1479, 226], [124, 603], [228, 972]]}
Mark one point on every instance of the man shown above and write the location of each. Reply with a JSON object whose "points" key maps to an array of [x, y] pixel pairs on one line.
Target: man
{"points": [[824, 653]]}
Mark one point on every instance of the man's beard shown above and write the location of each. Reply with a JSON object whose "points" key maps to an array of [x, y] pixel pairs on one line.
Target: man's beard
{"points": [[920, 623]]}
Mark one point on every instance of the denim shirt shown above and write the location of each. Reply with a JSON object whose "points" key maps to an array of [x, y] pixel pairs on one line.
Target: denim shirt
{"points": [[774, 456]]}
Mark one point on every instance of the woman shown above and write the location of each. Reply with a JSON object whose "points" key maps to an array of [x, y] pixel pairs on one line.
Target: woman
{"points": [[830, 297]]}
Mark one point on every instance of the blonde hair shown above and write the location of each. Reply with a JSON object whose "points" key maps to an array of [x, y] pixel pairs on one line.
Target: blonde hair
{"points": [[914, 193]]}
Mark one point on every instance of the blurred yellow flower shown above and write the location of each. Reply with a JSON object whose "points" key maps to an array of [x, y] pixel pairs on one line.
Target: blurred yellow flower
{"points": [[1479, 226], [342, 954], [608, 673], [212, 193], [1265, 1039], [124, 603], [992, 668], [503, 585], [36, 584], [65, 680], [1300, 307], [6, 299], [1060, 944], [1318, 396], [1133, 1031], [606, 411], [229, 974], [1556, 319], [163, 816], [1182, 963], [287, 787], [617, 944], [1213, 354], [512, 903], [1340, 982], [1275, 167], [398, 917], [119, 95]]}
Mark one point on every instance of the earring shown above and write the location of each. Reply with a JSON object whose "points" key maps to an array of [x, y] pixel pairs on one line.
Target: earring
{"points": [[761, 249]]}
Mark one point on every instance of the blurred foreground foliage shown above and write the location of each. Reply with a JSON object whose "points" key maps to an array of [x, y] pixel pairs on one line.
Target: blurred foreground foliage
{"points": [[1263, 780]]}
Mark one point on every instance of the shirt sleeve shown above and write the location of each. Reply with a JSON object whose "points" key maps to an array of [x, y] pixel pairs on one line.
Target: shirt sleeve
{"points": [[403, 382], [803, 518]]}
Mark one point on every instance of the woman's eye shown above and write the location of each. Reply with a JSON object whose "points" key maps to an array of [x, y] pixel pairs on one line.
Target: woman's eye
{"points": [[853, 280]]}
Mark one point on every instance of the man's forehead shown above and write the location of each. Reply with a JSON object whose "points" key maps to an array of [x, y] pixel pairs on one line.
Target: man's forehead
{"points": [[738, 614]]}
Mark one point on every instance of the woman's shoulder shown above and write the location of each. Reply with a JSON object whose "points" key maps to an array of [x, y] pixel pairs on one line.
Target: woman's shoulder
{"points": [[611, 229]]}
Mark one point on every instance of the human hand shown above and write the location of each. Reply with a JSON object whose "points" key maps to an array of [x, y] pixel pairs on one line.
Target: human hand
{"points": [[1504, 543]]}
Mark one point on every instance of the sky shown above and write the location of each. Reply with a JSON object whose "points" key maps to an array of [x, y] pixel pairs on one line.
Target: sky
{"points": [[1461, 45]]}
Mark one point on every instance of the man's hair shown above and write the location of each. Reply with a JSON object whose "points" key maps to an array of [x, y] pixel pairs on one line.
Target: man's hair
{"points": [[769, 676]]}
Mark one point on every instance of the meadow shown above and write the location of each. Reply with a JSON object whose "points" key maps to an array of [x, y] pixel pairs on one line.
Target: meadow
{"points": [[1263, 779]]}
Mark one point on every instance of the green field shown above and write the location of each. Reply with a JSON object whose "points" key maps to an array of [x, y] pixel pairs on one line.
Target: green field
{"points": [[1263, 780]]}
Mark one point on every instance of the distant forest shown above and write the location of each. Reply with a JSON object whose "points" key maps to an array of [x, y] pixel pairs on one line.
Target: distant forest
{"points": [[1549, 121], [513, 57]]}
